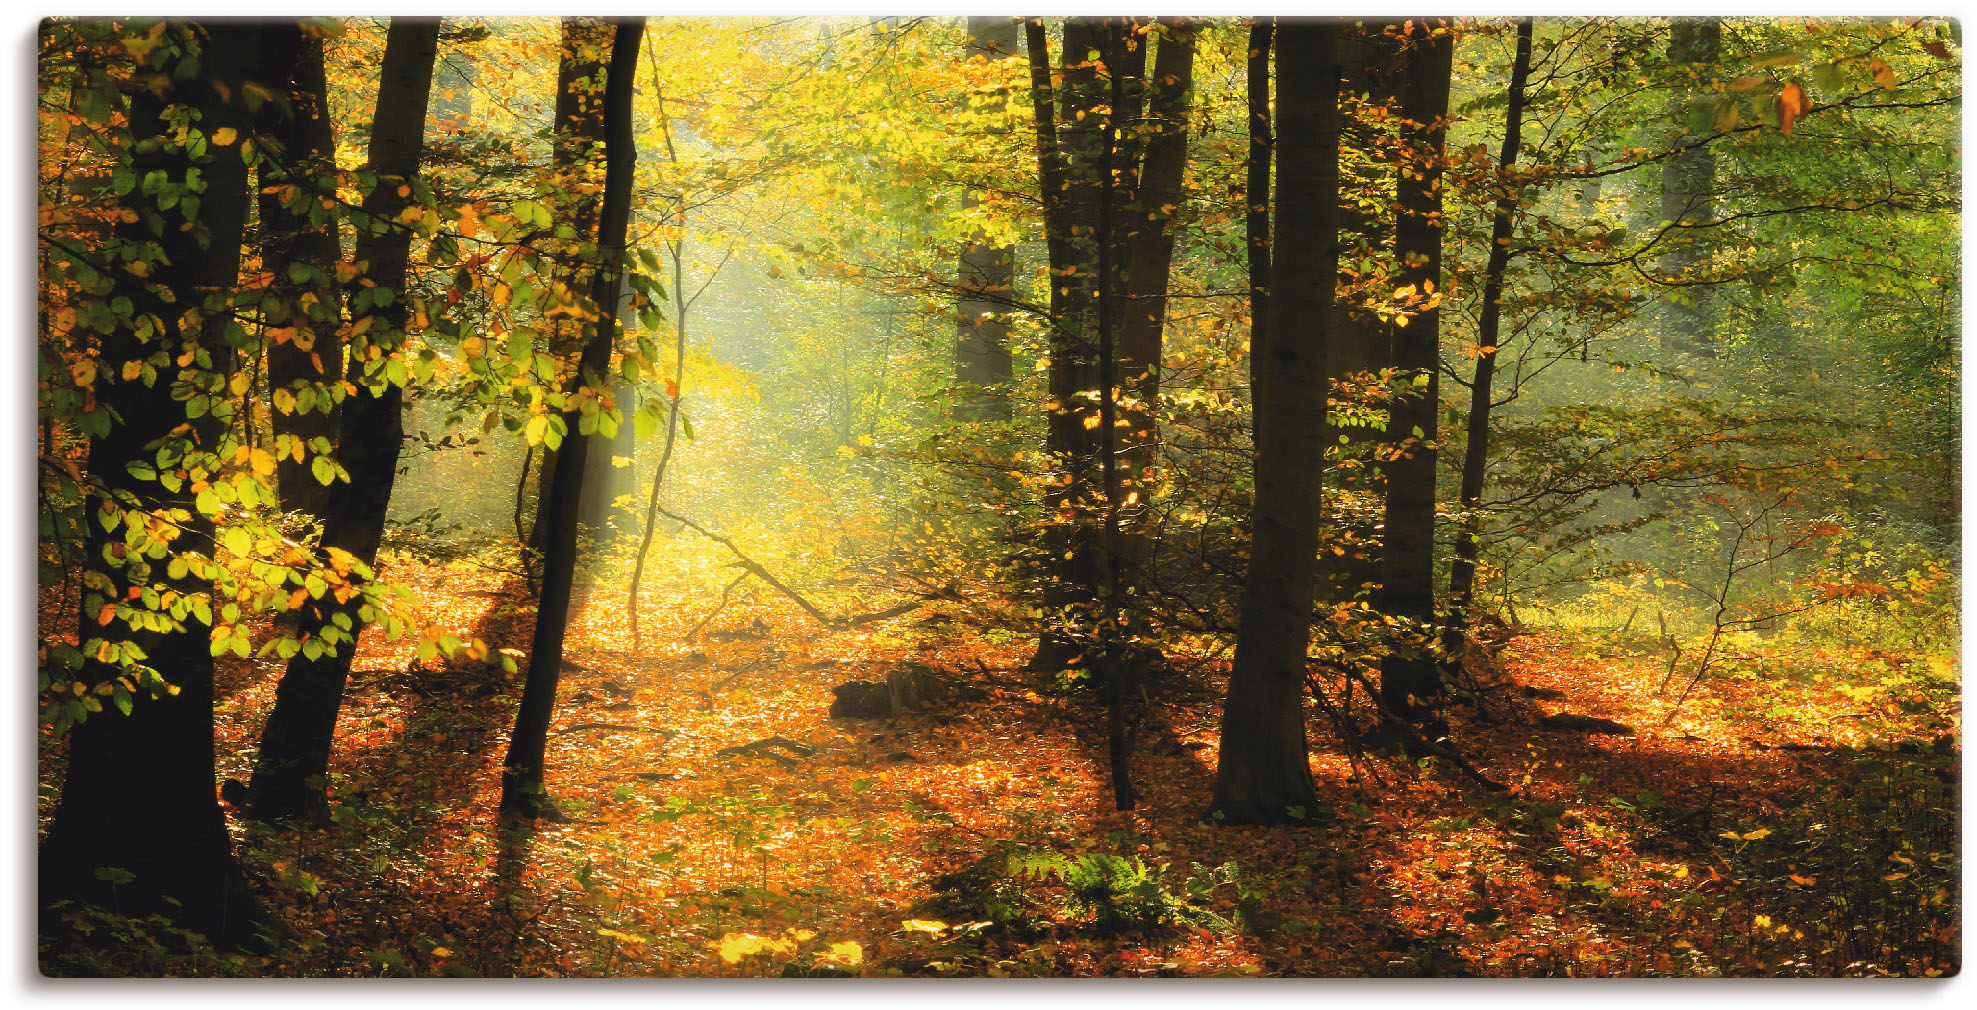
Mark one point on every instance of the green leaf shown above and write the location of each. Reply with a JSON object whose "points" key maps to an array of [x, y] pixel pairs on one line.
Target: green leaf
{"points": [[324, 471]]}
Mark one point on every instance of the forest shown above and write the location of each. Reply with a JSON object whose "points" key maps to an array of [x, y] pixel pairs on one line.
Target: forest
{"points": [[998, 497]]}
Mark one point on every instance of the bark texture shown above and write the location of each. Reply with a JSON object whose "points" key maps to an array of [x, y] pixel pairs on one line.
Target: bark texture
{"points": [[1265, 772]]}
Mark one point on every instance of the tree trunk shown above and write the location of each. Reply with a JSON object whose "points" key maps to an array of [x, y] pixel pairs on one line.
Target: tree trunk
{"points": [[1410, 678], [1069, 139], [1688, 192], [986, 277], [1264, 776], [301, 307], [295, 746], [1475, 453], [1362, 342], [139, 795], [1148, 245], [522, 789], [1256, 201], [578, 121]]}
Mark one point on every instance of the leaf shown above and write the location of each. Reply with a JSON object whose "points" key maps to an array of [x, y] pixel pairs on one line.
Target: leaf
{"points": [[1938, 50], [1884, 75], [1793, 104], [224, 136], [239, 544], [324, 470]]}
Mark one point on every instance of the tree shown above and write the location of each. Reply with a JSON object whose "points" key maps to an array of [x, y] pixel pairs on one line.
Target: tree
{"points": [[1362, 347], [295, 745], [986, 278], [522, 789], [575, 154], [300, 301], [1151, 205], [1475, 452], [138, 827], [1069, 141], [1264, 776], [1688, 189], [1410, 677]]}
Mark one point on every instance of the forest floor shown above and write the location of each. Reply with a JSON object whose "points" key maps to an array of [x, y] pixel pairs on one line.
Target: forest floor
{"points": [[1787, 821]]}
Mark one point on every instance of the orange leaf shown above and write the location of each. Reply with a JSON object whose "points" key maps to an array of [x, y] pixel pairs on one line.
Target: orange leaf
{"points": [[107, 614], [1937, 49], [1793, 104]]}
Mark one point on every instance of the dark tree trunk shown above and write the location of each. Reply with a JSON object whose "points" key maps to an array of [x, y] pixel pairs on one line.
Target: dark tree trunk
{"points": [[1264, 776], [1256, 200], [522, 788], [139, 795], [1476, 452], [1410, 678], [299, 251], [295, 746], [1688, 192], [1069, 138], [1362, 342], [986, 278], [578, 120], [1147, 236]]}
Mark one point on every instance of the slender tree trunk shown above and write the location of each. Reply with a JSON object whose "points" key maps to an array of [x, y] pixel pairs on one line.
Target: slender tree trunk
{"points": [[1069, 141], [1264, 776], [578, 122], [1362, 342], [522, 787], [1256, 201], [139, 794], [1410, 679], [1688, 192], [986, 277], [302, 307], [1476, 452], [1148, 235], [295, 745]]}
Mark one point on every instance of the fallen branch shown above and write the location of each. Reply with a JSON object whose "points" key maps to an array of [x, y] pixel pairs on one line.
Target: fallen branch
{"points": [[716, 612], [751, 567], [767, 747]]}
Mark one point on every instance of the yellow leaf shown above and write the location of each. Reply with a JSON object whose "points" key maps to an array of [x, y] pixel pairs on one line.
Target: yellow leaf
{"points": [[924, 926], [224, 136], [848, 952], [735, 946], [261, 461]]}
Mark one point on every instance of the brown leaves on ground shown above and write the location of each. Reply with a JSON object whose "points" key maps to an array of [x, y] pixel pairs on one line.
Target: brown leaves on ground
{"points": [[1686, 848]]}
